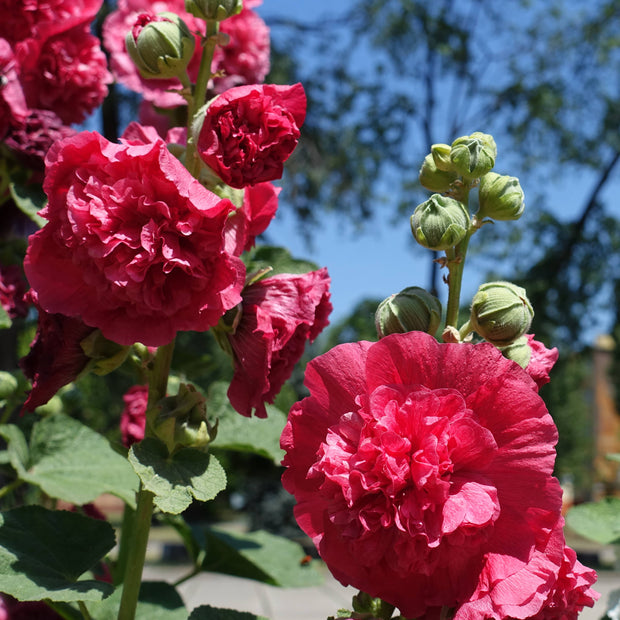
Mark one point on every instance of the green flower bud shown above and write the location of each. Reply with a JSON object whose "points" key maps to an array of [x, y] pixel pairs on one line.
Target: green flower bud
{"points": [[413, 309], [472, 156], [434, 179], [501, 313], [161, 46], [519, 351], [441, 157], [500, 197], [214, 10], [440, 223], [105, 355], [182, 420]]}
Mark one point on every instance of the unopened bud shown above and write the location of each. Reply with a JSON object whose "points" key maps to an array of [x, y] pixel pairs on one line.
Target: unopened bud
{"points": [[214, 10], [500, 197], [441, 157], [440, 222], [182, 420], [161, 46], [519, 351], [501, 313], [434, 179], [474, 155], [8, 385], [105, 355], [413, 309]]}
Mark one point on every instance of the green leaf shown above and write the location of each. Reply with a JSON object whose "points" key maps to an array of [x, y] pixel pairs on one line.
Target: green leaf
{"points": [[260, 556], [279, 259], [5, 319], [30, 199], [72, 462], [206, 612], [598, 521], [158, 600], [17, 446], [176, 480], [44, 552], [236, 432]]}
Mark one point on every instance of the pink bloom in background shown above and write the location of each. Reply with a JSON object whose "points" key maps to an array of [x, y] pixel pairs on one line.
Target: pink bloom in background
{"points": [[279, 314], [65, 72], [13, 287], [13, 108], [133, 417], [423, 474], [134, 245], [541, 362], [247, 60], [22, 19], [250, 131], [56, 357]]}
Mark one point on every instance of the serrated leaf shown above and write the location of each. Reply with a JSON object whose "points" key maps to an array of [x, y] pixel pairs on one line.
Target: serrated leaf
{"points": [[44, 552], [260, 556], [279, 259], [206, 612], [158, 600], [598, 521], [259, 436], [176, 480], [30, 199], [72, 462]]}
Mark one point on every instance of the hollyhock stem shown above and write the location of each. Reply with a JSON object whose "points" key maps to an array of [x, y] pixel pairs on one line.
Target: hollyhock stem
{"points": [[456, 266], [141, 526], [200, 94]]}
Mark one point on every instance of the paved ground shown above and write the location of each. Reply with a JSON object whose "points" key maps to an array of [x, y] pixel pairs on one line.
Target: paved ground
{"points": [[315, 603]]}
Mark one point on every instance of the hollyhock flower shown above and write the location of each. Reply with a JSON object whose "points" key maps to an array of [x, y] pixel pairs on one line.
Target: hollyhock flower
{"points": [[65, 72], [133, 417], [12, 609], [423, 474], [22, 19], [249, 132], [260, 203], [541, 362], [278, 315], [13, 108], [245, 60], [134, 245], [31, 142], [56, 356], [13, 287]]}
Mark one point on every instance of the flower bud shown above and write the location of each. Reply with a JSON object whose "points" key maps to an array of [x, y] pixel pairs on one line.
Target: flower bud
{"points": [[434, 179], [105, 355], [472, 156], [8, 385], [214, 10], [519, 351], [500, 197], [440, 223], [501, 313], [441, 157], [182, 420], [413, 309], [161, 46]]}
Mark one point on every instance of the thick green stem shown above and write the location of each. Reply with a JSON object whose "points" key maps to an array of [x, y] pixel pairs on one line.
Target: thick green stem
{"points": [[135, 552], [192, 163], [124, 545], [135, 559], [456, 266]]}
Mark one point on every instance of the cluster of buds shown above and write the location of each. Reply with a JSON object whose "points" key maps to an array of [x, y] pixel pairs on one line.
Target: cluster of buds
{"points": [[500, 311]]}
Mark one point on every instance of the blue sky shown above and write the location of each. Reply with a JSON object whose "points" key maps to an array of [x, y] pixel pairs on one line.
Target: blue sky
{"points": [[381, 259]]}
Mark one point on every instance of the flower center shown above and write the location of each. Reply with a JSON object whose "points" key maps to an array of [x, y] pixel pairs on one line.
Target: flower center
{"points": [[407, 470]]}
